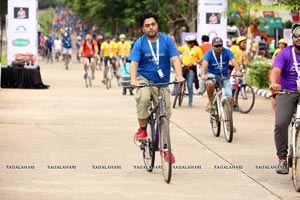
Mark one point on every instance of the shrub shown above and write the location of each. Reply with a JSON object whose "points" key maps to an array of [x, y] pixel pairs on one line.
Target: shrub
{"points": [[259, 71]]}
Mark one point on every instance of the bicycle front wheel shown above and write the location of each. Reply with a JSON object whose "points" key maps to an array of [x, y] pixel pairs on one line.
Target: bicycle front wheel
{"points": [[109, 77], [296, 161], [215, 119], [148, 146], [245, 98], [90, 75], [165, 149], [227, 120]]}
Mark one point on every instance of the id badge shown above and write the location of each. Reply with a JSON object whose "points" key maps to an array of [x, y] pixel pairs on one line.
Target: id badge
{"points": [[298, 84], [160, 73]]}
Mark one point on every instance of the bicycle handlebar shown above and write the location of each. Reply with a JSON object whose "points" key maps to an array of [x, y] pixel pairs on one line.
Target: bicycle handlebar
{"points": [[286, 92], [221, 78], [150, 84]]}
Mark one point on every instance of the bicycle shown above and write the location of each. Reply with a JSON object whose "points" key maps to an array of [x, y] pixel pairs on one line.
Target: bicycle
{"points": [[180, 92], [159, 139], [49, 55], [221, 112], [109, 75], [57, 55], [88, 73], [98, 63], [294, 147], [243, 95], [67, 61]]}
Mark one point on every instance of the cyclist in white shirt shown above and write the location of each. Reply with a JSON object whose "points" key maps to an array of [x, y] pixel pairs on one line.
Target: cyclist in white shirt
{"points": [[57, 45]]}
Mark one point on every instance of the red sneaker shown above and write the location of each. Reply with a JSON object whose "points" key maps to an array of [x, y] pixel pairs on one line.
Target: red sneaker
{"points": [[140, 134], [167, 158]]}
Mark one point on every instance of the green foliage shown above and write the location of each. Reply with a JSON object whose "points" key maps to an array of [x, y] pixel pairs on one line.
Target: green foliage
{"points": [[45, 4], [45, 20], [259, 70], [3, 9], [288, 24], [4, 59]]}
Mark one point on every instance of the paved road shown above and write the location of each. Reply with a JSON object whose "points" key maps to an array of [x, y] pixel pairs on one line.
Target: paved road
{"points": [[72, 142]]}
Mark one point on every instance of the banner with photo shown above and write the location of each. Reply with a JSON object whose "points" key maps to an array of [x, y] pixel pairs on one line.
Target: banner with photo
{"points": [[212, 19], [22, 31]]}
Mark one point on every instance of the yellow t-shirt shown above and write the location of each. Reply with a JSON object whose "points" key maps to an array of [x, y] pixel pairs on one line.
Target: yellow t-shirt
{"points": [[123, 48], [190, 56], [239, 54], [109, 49], [276, 52]]}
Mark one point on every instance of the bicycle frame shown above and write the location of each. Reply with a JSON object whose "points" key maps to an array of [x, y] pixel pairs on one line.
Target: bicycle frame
{"points": [[161, 114], [219, 97], [160, 135], [224, 112]]}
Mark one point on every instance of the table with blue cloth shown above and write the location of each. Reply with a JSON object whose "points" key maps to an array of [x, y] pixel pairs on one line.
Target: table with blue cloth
{"points": [[20, 77]]}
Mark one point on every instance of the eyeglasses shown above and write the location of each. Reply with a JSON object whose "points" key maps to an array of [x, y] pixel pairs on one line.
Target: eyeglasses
{"points": [[218, 46], [295, 35], [148, 25]]}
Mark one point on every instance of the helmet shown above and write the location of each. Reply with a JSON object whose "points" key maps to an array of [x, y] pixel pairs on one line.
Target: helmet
{"points": [[295, 27], [78, 38], [282, 41], [122, 36], [190, 38], [240, 39]]}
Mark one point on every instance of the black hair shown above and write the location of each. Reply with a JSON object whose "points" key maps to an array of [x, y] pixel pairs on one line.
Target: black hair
{"points": [[205, 38], [147, 15]]}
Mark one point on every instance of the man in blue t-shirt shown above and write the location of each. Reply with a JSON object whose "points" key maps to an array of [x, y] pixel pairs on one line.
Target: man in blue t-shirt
{"points": [[215, 64], [49, 45], [150, 61], [67, 46]]}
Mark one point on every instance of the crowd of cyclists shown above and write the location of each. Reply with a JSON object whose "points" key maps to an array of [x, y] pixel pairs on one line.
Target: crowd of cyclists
{"points": [[140, 61]]}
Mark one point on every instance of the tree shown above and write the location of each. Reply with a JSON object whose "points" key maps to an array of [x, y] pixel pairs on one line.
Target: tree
{"points": [[123, 15], [3, 10]]}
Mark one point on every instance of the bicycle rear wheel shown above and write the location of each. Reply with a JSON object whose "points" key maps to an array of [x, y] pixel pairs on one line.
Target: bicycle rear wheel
{"points": [[227, 120], [181, 94], [245, 98], [148, 146], [165, 149], [215, 119], [296, 161], [177, 94]]}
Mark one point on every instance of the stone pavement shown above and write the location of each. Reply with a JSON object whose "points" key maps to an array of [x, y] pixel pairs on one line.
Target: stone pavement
{"points": [[73, 142]]}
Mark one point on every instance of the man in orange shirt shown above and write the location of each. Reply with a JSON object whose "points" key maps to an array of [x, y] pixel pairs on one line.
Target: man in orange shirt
{"points": [[205, 46], [88, 50]]}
